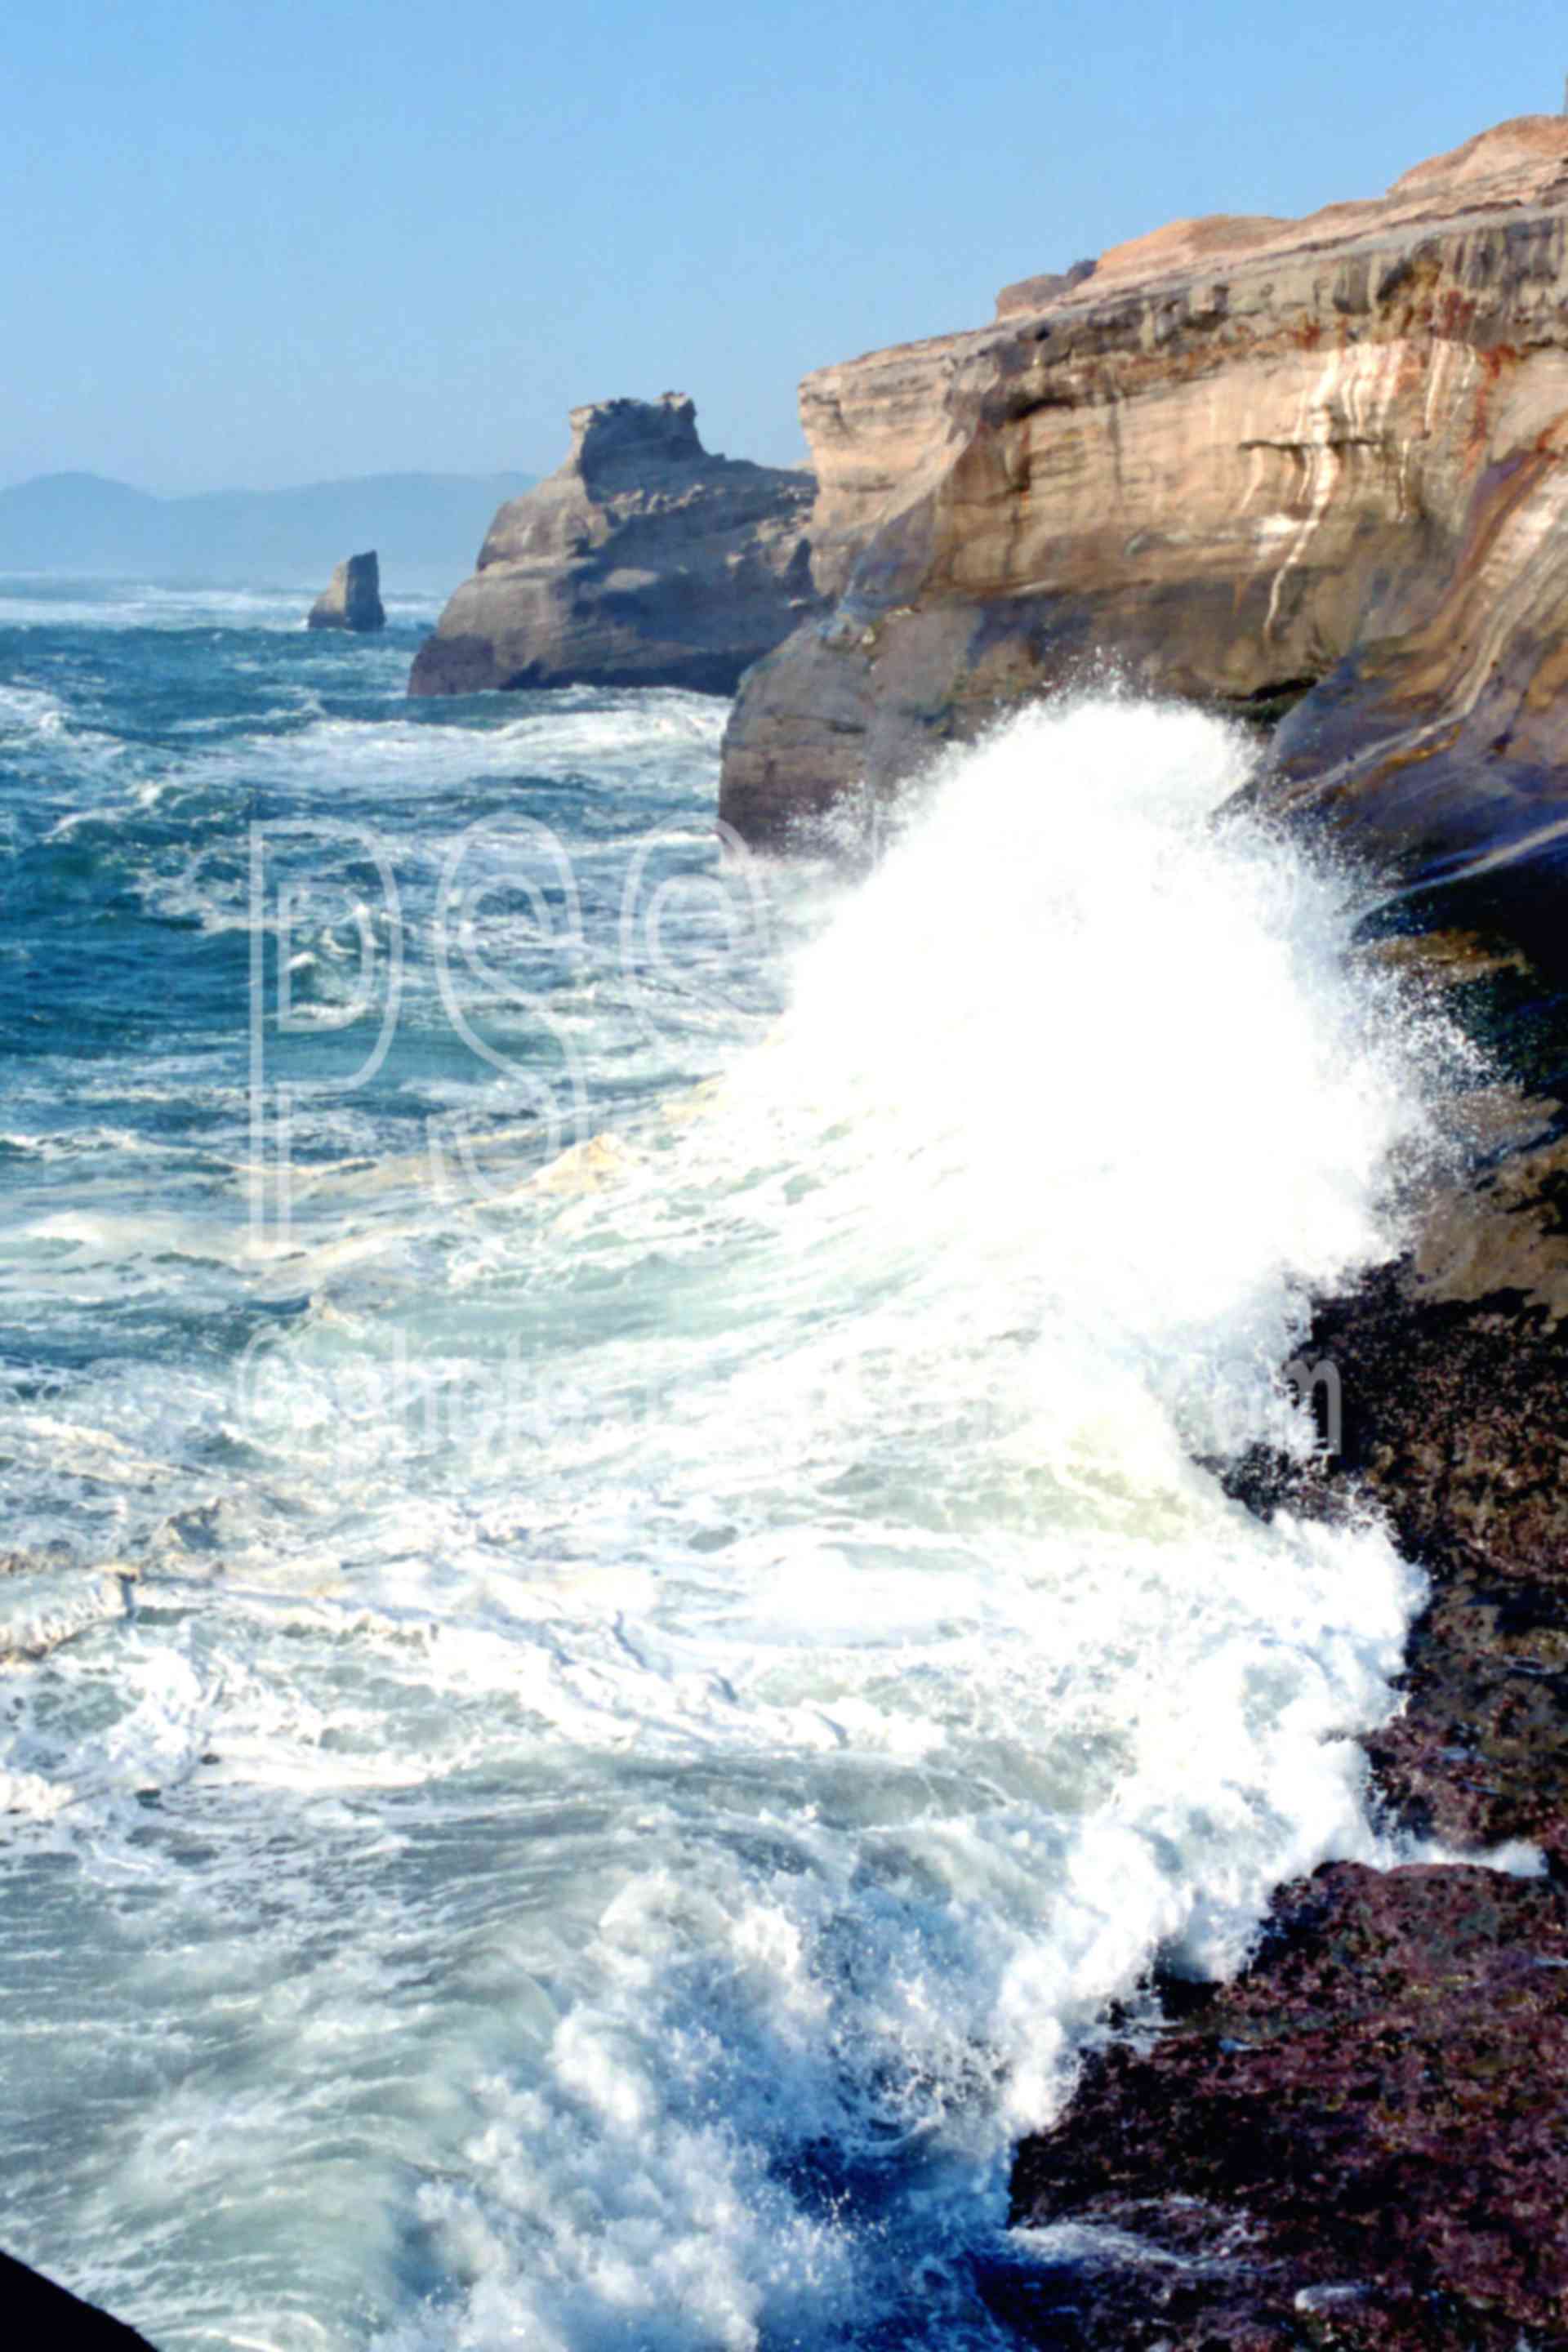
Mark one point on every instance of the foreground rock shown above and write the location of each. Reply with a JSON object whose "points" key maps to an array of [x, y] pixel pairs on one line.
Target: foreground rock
{"points": [[642, 560], [1362, 2142], [351, 598], [1453, 1366], [38, 2313], [1365, 2141], [1245, 460]]}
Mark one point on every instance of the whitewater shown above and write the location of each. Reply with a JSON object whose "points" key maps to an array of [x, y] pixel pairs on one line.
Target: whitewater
{"points": [[662, 1644]]}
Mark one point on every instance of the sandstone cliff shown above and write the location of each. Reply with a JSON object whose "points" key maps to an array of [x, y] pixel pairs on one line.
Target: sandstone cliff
{"points": [[1240, 459], [642, 560], [351, 598]]}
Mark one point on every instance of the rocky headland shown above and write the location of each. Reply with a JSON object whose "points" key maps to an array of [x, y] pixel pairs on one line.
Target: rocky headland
{"points": [[351, 598], [644, 559], [1315, 473], [1315, 465]]}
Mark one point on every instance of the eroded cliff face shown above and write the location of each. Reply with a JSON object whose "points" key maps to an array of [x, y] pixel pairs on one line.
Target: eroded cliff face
{"points": [[1244, 457], [642, 561]]}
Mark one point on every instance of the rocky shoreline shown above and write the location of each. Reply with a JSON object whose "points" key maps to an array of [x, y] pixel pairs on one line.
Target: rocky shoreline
{"points": [[1313, 473], [1362, 2141]]}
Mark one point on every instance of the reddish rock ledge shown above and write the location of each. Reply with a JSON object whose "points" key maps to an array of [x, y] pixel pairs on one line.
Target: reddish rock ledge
{"points": [[1363, 2141]]}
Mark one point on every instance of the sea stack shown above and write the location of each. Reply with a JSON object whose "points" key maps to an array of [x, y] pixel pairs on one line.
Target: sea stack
{"points": [[351, 598], [644, 559], [1250, 461]]}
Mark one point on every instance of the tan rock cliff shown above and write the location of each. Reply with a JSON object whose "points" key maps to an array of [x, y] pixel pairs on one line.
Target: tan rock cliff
{"points": [[1242, 457]]}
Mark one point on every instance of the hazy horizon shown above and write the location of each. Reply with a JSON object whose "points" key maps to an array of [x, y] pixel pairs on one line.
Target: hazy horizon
{"points": [[252, 252], [420, 523], [260, 491]]}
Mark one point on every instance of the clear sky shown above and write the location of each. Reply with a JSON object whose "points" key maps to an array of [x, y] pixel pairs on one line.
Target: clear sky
{"points": [[253, 243]]}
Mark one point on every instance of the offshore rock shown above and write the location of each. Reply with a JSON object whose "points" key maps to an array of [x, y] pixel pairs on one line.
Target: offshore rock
{"points": [[351, 598], [1244, 460], [642, 560]]}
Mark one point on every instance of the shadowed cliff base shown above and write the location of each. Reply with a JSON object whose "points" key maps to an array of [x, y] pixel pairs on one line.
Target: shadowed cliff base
{"points": [[642, 560], [1238, 456]]}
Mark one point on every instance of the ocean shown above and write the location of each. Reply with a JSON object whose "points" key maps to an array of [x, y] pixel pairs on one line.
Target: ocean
{"points": [[621, 1641]]}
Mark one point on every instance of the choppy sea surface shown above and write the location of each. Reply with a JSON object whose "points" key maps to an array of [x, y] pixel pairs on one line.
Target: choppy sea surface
{"points": [[631, 1710]]}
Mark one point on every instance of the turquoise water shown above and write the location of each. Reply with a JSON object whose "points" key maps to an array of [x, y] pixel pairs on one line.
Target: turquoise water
{"points": [[615, 1429]]}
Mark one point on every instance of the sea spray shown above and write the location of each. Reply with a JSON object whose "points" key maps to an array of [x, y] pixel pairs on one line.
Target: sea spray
{"points": [[628, 1877], [1016, 1210]]}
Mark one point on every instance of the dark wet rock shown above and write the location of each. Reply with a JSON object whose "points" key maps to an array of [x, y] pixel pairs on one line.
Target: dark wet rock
{"points": [[351, 598], [1479, 1752], [38, 2316], [642, 560], [1453, 1377], [1363, 2141]]}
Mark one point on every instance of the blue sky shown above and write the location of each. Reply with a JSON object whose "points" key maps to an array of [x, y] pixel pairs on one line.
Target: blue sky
{"points": [[249, 243]]}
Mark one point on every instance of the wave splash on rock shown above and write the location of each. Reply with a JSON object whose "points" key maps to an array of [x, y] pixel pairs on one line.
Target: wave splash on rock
{"points": [[994, 1233]]}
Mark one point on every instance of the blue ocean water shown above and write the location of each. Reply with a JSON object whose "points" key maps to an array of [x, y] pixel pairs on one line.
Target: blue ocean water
{"points": [[614, 1432]]}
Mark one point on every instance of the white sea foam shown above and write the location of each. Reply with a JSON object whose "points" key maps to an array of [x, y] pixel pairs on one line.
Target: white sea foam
{"points": [[664, 1711], [1014, 1212], [130, 604], [29, 710], [574, 735]]}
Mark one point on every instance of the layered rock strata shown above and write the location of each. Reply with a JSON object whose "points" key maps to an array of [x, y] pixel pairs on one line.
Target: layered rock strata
{"points": [[1246, 460], [351, 598], [642, 560]]}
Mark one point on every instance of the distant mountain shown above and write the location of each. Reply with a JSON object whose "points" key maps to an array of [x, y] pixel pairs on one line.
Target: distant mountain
{"points": [[426, 523]]}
